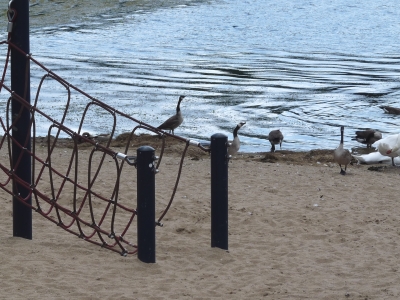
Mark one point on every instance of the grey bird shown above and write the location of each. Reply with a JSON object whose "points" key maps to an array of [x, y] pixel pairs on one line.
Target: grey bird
{"points": [[340, 155], [275, 137], [174, 121], [391, 110], [234, 146], [102, 137], [367, 137], [86, 135]]}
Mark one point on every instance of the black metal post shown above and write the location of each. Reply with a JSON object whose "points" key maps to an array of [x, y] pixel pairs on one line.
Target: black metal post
{"points": [[219, 191], [21, 132], [146, 224]]}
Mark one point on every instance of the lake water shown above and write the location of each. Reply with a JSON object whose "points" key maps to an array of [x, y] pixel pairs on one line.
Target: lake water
{"points": [[305, 67]]}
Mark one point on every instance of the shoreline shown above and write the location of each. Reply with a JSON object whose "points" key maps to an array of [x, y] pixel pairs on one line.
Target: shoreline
{"points": [[174, 147], [47, 13]]}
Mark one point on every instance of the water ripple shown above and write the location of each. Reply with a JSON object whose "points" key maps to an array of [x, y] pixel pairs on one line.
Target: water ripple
{"points": [[306, 69]]}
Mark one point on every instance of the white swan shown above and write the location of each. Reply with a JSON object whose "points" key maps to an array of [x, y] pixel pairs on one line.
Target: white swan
{"points": [[375, 158], [389, 146]]}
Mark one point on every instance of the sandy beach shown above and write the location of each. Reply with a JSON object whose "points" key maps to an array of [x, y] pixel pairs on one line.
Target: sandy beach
{"points": [[297, 230]]}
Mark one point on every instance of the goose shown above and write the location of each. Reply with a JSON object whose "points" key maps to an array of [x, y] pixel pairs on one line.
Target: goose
{"points": [[235, 145], [389, 146], [367, 137], [174, 121], [340, 155], [391, 110], [275, 137]]}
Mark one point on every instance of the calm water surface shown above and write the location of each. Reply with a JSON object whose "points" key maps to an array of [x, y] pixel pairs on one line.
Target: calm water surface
{"points": [[305, 67]]}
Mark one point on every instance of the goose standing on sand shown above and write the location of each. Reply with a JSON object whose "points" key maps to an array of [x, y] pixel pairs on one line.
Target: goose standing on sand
{"points": [[235, 145], [275, 137], [174, 121], [390, 146], [367, 137], [342, 156]]}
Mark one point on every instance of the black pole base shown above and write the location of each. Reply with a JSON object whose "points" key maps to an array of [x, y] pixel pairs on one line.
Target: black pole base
{"points": [[219, 191], [146, 225]]}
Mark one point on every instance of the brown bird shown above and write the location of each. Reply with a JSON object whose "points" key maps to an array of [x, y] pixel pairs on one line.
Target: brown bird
{"points": [[342, 156], [367, 137], [275, 137], [391, 110], [174, 121], [235, 145]]}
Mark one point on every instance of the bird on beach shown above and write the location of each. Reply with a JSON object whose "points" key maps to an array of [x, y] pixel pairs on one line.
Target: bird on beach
{"points": [[391, 110], [342, 156], [234, 146], [275, 137], [390, 146], [174, 121], [367, 137], [103, 137]]}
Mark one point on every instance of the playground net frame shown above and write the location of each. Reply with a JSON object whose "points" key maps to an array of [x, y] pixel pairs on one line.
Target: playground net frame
{"points": [[65, 195]]}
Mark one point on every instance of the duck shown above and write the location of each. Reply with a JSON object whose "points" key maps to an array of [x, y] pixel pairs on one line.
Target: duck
{"points": [[173, 122], [275, 137], [389, 146], [342, 156], [367, 137], [234, 146], [391, 110]]}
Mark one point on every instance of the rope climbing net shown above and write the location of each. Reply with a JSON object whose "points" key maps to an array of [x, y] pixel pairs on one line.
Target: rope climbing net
{"points": [[83, 195]]}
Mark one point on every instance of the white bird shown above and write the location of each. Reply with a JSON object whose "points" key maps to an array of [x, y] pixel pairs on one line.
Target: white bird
{"points": [[342, 156], [389, 146], [235, 144], [174, 121], [375, 158], [367, 137], [275, 137]]}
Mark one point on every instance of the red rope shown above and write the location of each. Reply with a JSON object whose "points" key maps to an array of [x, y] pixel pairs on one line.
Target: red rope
{"points": [[90, 215]]}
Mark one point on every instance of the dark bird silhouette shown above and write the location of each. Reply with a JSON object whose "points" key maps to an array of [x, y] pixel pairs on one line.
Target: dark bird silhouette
{"points": [[367, 137], [234, 146], [391, 110], [174, 121], [275, 137], [342, 156]]}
